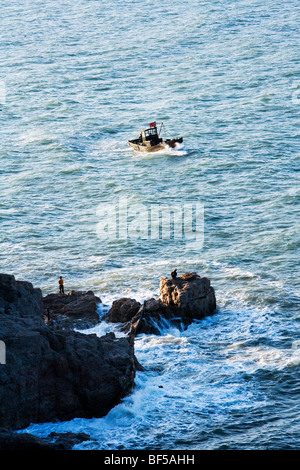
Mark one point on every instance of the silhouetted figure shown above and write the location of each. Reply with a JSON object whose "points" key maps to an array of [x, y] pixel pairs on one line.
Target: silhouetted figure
{"points": [[47, 316], [61, 285], [48, 319], [174, 274]]}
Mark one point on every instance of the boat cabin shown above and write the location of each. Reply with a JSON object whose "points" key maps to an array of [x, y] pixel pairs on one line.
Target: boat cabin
{"points": [[150, 136]]}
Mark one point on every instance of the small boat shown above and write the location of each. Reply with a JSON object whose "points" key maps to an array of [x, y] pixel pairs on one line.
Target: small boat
{"points": [[149, 140]]}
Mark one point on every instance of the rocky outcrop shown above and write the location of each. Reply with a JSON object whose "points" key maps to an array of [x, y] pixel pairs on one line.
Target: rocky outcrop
{"points": [[182, 299], [73, 310], [54, 374], [189, 296], [19, 299], [122, 310], [10, 440], [150, 319]]}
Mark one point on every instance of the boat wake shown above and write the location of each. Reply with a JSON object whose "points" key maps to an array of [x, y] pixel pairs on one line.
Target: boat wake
{"points": [[178, 151]]}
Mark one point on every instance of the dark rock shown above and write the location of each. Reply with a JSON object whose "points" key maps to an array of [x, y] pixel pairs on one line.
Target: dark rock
{"points": [[67, 440], [182, 299], [122, 310], [73, 310], [16, 441], [19, 298], [10, 440], [138, 366], [150, 319], [188, 296], [54, 374]]}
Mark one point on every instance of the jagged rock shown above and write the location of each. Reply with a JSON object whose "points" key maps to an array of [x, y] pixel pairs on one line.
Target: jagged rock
{"points": [[18, 298], [150, 319], [73, 310], [182, 300], [122, 310], [16, 441], [12, 441], [189, 296], [52, 374]]}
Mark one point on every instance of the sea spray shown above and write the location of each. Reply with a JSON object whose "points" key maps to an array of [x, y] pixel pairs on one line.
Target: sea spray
{"points": [[224, 76]]}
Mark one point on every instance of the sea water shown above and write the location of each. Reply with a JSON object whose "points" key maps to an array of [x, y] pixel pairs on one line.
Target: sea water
{"points": [[78, 79]]}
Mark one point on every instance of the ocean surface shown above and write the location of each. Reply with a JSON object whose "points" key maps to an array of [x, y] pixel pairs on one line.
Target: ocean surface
{"points": [[77, 80]]}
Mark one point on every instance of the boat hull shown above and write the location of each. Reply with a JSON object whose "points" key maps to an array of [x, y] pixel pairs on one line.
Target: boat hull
{"points": [[144, 148], [141, 147]]}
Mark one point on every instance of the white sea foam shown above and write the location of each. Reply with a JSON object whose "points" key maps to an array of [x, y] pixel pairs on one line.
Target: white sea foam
{"points": [[35, 135], [179, 150], [251, 359], [216, 78]]}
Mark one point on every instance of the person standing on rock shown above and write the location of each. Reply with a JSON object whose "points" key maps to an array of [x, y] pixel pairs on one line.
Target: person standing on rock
{"points": [[174, 274], [47, 317], [61, 285]]}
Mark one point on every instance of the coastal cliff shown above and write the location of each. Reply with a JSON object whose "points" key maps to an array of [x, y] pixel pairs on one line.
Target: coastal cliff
{"points": [[51, 373]]}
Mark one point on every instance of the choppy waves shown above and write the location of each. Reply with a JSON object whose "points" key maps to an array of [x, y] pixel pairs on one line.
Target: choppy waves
{"points": [[78, 81], [199, 381]]}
